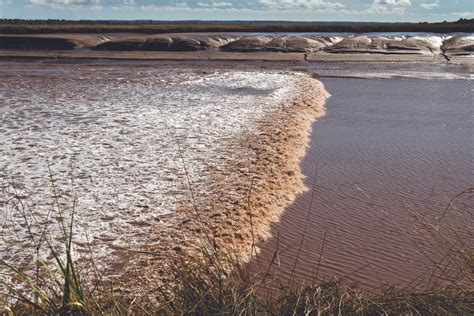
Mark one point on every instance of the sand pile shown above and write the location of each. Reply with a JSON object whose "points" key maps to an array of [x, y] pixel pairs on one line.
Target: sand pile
{"points": [[247, 44], [285, 44], [459, 45], [50, 41], [296, 44], [176, 42], [220, 44], [387, 45]]}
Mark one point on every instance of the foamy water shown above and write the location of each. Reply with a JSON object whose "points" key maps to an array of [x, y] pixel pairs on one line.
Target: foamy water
{"points": [[118, 141]]}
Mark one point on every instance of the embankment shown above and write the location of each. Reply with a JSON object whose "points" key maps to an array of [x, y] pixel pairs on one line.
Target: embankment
{"points": [[209, 45]]}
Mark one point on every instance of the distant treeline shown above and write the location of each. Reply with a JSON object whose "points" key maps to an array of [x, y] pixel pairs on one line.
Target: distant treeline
{"points": [[18, 26]]}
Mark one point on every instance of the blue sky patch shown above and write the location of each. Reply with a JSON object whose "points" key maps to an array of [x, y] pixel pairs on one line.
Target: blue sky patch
{"points": [[294, 10]]}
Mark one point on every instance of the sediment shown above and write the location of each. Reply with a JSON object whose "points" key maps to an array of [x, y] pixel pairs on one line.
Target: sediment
{"points": [[234, 43], [51, 42]]}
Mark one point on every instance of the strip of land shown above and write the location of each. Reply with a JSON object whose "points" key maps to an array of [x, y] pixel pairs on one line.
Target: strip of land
{"points": [[17, 26]]}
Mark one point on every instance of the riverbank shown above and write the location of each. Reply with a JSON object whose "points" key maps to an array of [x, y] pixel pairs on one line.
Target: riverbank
{"points": [[455, 48]]}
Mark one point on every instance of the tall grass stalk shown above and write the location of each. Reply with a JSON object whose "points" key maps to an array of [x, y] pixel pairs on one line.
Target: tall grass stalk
{"points": [[211, 281], [61, 293]]}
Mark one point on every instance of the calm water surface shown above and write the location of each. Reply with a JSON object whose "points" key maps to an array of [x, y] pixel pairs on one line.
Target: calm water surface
{"points": [[388, 157]]}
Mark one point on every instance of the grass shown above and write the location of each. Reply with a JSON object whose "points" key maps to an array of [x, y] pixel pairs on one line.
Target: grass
{"points": [[54, 287], [218, 283], [53, 281], [214, 282], [205, 287]]}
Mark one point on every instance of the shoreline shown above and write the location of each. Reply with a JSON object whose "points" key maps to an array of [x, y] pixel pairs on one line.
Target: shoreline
{"points": [[218, 56], [217, 46]]}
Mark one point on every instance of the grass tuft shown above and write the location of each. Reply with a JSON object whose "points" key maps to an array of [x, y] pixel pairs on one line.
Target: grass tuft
{"points": [[210, 281]]}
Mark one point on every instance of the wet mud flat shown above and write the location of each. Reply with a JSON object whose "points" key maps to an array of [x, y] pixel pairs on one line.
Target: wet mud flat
{"points": [[456, 47], [428, 44], [387, 167], [151, 160]]}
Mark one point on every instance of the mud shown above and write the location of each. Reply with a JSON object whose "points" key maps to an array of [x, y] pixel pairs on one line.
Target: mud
{"points": [[51, 41], [430, 45]]}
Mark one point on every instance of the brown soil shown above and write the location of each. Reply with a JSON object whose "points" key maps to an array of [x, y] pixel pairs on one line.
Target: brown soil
{"points": [[50, 41]]}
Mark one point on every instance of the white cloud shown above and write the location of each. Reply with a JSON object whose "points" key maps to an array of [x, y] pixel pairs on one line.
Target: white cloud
{"points": [[395, 3], [175, 7], [466, 14], [4, 2], [94, 4], [301, 4], [182, 5], [389, 7], [215, 5], [125, 5], [429, 6]]}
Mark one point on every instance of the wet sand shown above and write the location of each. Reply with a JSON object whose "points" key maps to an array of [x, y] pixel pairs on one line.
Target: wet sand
{"points": [[387, 159]]}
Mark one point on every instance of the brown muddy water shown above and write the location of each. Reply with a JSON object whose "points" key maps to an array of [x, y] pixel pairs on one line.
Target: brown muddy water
{"points": [[388, 158], [389, 155]]}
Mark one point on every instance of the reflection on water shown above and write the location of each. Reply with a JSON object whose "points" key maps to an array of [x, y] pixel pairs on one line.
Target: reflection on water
{"points": [[389, 154]]}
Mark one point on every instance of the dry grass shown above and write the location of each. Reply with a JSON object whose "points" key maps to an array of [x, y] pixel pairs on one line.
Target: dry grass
{"points": [[214, 282]]}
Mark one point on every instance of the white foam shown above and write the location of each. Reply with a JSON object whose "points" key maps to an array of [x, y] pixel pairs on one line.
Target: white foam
{"points": [[111, 138]]}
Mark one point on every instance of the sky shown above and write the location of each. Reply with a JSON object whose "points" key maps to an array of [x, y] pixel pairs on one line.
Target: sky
{"points": [[289, 10]]}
